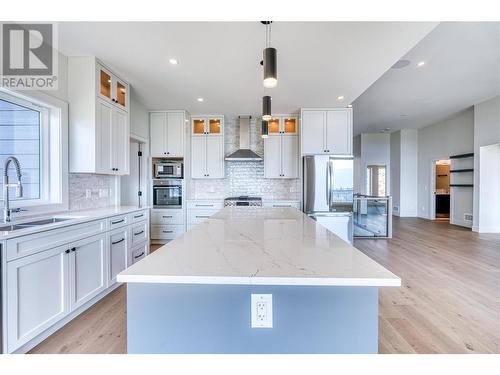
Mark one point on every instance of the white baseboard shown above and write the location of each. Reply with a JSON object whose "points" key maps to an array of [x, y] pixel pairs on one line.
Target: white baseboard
{"points": [[461, 223], [488, 230]]}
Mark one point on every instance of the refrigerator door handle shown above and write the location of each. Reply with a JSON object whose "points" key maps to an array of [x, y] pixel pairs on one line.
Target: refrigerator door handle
{"points": [[330, 165]]}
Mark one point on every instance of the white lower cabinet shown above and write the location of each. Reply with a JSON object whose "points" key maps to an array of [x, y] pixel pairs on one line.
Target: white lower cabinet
{"points": [[44, 285], [88, 276], [37, 294], [118, 253], [281, 204]]}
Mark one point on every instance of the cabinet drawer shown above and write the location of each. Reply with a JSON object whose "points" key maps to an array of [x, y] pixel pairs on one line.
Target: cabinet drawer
{"points": [[138, 252], [166, 232], [34, 243], [138, 216], [117, 221], [167, 217], [278, 204], [200, 204], [139, 233], [197, 216]]}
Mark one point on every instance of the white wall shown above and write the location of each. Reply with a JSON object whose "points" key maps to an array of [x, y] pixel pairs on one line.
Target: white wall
{"points": [[489, 190], [375, 150], [486, 132], [404, 165], [357, 163], [395, 172], [438, 141], [139, 118]]}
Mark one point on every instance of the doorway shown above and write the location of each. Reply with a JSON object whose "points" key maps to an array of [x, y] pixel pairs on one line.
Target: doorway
{"points": [[134, 186], [442, 189]]}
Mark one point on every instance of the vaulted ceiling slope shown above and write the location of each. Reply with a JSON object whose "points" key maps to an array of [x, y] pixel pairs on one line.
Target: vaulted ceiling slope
{"points": [[462, 68], [219, 61]]}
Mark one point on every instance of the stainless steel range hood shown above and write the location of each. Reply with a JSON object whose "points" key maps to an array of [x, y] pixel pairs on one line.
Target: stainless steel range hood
{"points": [[244, 153]]}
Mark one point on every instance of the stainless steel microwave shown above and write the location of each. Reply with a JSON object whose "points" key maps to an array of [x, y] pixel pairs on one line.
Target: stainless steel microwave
{"points": [[168, 169]]}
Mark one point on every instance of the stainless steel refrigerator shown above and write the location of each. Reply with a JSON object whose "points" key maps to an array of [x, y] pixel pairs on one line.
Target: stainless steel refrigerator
{"points": [[328, 192]]}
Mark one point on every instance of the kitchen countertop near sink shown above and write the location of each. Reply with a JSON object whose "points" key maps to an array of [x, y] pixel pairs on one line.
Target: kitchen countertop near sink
{"points": [[73, 218]]}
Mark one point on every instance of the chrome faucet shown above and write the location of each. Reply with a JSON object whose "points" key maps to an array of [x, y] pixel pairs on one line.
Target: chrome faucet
{"points": [[7, 211]]}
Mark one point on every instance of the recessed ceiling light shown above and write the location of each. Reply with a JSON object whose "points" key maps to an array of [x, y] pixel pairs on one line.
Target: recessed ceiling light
{"points": [[173, 61], [340, 97], [200, 99], [421, 63], [349, 106]]}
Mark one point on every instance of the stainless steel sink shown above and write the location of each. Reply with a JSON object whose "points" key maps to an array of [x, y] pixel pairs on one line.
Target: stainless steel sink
{"points": [[35, 223]]}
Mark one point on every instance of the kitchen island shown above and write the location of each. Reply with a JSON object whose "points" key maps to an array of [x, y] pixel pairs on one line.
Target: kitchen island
{"points": [[193, 295]]}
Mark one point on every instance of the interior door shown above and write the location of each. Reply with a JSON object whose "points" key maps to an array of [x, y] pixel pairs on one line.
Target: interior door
{"points": [[104, 162], [37, 294], [158, 125], [289, 156], [120, 142], [338, 133], [88, 270], [272, 156], [198, 157], [313, 132], [175, 134], [215, 157]]}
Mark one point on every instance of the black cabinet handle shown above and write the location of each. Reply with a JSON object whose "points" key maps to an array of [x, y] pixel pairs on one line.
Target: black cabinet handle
{"points": [[118, 222], [141, 232], [202, 217], [138, 216], [117, 242], [67, 251], [73, 249], [168, 231], [138, 256], [167, 217]]}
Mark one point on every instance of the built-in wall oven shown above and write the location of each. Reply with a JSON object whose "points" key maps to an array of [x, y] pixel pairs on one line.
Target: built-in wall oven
{"points": [[167, 193]]}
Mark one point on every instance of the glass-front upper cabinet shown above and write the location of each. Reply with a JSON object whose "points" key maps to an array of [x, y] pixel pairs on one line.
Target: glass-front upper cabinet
{"points": [[104, 83], [283, 125], [121, 93], [198, 126], [274, 126], [215, 125], [111, 88], [289, 125], [207, 125]]}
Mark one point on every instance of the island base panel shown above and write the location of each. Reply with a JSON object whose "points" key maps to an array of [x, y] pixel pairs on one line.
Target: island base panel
{"points": [[182, 318]]}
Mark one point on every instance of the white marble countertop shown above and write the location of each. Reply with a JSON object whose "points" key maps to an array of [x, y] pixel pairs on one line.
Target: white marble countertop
{"points": [[259, 246], [76, 217]]}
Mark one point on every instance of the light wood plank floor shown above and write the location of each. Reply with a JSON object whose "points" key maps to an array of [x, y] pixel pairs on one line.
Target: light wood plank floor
{"points": [[449, 301]]}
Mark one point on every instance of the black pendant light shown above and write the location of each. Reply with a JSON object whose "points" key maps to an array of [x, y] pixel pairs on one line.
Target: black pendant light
{"points": [[269, 60], [266, 108], [265, 129]]}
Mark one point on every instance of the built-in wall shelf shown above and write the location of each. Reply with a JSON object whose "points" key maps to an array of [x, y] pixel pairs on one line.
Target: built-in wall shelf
{"points": [[462, 170], [461, 185], [462, 156]]}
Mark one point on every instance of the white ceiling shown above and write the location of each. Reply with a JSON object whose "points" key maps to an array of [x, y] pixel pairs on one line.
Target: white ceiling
{"points": [[462, 68], [219, 61]]}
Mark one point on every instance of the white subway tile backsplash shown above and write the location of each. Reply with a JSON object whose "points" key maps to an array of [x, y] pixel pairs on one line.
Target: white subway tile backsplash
{"points": [[98, 185]]}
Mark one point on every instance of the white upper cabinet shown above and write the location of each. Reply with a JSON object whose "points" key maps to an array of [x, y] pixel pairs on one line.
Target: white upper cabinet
{"points": [[207, 147], [99, 118], [167, 133], [326, 131], [281, 151]]}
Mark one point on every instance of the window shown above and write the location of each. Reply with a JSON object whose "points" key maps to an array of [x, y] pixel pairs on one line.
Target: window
{"points": [[34, 130], [20, 136]]}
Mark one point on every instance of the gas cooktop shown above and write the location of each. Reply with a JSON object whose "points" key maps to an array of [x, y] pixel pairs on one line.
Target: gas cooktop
{"points": [[243, 200]]}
